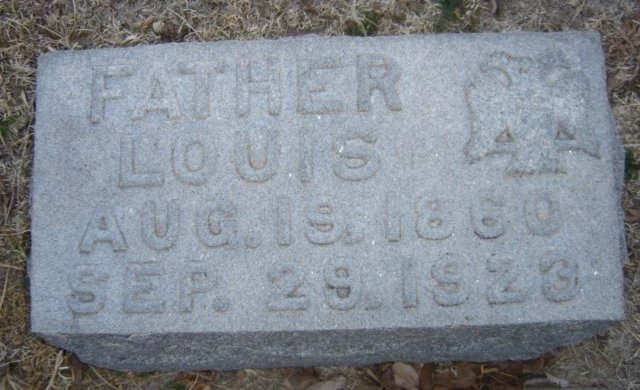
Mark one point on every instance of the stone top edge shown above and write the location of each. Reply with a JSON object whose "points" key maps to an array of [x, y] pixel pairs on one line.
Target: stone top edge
{"points": [[585, 34]]}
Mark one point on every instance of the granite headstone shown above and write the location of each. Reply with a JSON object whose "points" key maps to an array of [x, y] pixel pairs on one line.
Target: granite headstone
{"points": [[313, 201]]}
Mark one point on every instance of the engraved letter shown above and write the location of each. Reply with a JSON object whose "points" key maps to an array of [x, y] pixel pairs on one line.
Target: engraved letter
{"points": [[542, 215], [202, 70], [286, 282], [430, 223], [160, 232], [99, 91], [506, 287], [130, 176], [161, 97], [252, 165], [355, 158], [193, 160], [87, 282], [215, 225], [409, 285], [342, 290], [393, 218], [141, 285], [283, 221], [313, 77], [381, 73], [448, 273], [324, 227], [195, 279], [102, 227], [306, 156], [258, 77], [559, 276], [487, 217]]}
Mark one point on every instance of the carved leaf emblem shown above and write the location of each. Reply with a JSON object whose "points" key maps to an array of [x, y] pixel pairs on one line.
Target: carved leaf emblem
{"points": [[531, 108]]}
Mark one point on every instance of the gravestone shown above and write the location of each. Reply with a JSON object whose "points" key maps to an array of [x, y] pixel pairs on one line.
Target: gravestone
{"points": [[325, 201]]}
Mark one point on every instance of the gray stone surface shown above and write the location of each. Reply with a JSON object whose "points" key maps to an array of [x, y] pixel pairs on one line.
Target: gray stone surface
{"points": [[325, 201]]}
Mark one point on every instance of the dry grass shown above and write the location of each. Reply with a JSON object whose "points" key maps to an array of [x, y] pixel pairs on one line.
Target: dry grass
{"points": [[29, 28]]}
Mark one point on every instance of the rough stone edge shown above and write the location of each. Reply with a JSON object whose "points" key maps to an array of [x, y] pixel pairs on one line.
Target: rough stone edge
{"points": [[229, 351], [618, 155], [45, 58]]}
